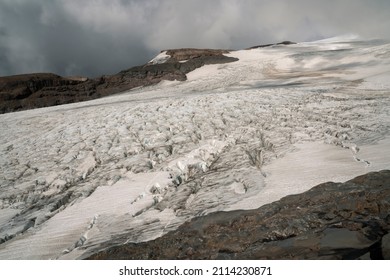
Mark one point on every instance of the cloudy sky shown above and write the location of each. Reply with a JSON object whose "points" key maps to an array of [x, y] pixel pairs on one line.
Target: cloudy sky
{"points": [[95, 37]]}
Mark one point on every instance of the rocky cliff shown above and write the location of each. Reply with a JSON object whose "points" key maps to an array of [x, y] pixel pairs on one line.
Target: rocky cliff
{"points": [[348, 220], [29, 91]]}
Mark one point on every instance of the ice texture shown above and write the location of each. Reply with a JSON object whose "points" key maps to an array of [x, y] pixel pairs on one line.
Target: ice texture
{"points": [[131, 167]]}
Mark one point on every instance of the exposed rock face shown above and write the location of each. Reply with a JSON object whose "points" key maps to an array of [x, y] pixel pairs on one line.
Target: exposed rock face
{"points": [[29, 91], [181, 62], [188, 53], [331, 221], [270, 45]]}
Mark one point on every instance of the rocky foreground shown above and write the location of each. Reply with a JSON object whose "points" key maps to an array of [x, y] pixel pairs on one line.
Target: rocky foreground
{"points": [[330, 221], [22, 92]]}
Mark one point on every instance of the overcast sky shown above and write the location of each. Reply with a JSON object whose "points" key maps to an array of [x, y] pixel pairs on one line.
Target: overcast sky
{"points": [[95, 37]]}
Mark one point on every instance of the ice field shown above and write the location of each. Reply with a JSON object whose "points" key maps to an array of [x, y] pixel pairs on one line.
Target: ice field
{"points": [[130, 167]]}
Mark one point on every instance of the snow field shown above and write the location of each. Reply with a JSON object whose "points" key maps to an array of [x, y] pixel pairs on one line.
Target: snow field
{"points": [[130, 167]]}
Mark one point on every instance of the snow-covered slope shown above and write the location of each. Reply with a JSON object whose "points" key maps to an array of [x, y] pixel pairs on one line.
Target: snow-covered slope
{"points": [[130, 167]]}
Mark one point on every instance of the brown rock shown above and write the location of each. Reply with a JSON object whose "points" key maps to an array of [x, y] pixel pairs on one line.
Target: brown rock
{"points": [[188, 53]]}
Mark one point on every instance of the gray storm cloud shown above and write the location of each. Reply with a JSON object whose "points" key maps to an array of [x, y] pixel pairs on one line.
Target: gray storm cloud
{"points": [[94, 37]]}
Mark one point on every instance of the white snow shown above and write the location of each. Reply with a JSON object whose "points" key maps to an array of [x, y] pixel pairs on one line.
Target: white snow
{"points": [[119, 202], [131, 167], [160, 58], [313, 163]]}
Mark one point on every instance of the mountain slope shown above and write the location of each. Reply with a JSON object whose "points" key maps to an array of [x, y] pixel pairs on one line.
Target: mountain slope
{"points": [[134, 166], [22, 92]]}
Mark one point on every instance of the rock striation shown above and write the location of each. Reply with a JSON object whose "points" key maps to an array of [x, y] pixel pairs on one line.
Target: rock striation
{"points": [[348, 220], [22, 92]]}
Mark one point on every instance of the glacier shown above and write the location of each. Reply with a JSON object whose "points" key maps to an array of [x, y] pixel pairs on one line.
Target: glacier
{"points": [[133, 166]]}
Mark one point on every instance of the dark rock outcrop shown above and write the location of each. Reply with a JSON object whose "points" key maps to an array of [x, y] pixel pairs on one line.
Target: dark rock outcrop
{"points": [[29, 91], [188, 53], [182, 61], [331, 221], [270, 45], [37, 90]]}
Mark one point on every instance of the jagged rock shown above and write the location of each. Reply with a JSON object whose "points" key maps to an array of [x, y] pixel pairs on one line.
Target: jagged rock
{"points": [[348, 220], [29, 91]]}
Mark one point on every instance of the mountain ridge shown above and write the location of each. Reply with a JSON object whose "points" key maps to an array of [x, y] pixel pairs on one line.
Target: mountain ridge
{"points": [[36, 90], [129, 168]]}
